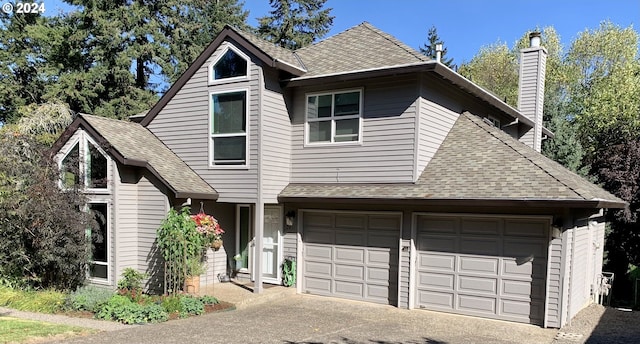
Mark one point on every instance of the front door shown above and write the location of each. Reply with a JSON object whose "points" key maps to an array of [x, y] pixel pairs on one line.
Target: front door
{"points": [[271, 250]]}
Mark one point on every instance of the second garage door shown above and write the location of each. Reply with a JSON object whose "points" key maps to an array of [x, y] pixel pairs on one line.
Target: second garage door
{"points": [[351, 255], [487, 266]]}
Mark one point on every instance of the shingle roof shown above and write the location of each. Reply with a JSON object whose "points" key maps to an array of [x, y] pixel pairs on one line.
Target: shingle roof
{"points": [[274, 51], [476, 161], [137, 145], [359, 48]]}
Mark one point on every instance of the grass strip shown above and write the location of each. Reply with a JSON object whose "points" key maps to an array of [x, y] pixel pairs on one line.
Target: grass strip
{"points": [[14, 330]]}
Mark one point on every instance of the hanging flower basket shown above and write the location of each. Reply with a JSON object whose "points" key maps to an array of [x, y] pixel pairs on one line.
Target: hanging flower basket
{"points": [[216, 244]]}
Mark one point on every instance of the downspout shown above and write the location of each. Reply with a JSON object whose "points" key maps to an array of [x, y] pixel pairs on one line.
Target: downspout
{"points": [[573, 257]]}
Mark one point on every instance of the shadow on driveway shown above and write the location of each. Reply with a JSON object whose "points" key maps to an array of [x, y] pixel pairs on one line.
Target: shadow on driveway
{"points": [[348, 341], [616, 326]]}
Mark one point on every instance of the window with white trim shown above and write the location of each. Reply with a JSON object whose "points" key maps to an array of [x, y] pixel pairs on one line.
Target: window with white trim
{"points": [[85, 164], [334, 117], [229, 121], [230, 65], [99, 237]]}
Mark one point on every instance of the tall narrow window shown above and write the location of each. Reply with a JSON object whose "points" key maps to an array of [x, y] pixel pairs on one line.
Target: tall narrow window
{"points": [[243, 236], [98, 233], [229, 128], [334, 117], [84, 165], [71, 167], [97, 169]]}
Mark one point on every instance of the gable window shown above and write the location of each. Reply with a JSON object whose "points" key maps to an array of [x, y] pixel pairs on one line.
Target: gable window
{"points": [[228, 144], [99, 237], [334, 117], [85, 164], [229, 66]]}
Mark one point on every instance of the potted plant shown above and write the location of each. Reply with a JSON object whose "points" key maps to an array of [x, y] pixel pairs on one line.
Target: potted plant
{"points": [[195, 268], [209, 228]]}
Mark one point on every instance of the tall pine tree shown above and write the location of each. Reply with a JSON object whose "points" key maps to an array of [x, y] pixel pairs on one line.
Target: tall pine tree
{"points": [[429, 48], [294, 24]]}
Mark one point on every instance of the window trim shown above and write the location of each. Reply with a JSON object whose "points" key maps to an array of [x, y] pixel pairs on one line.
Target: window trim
{"points": [[333, 118], [109, 279], [83, 140], [212, 81], [210, 135]]}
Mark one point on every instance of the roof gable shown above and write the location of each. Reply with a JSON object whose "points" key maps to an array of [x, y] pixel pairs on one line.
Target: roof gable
{"points": [[133, 145], [362, 47]]}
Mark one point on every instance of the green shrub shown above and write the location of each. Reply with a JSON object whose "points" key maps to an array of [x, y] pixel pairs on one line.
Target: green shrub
{"points": [[172, 304], [191, 306], [122, 309], [88, 298], [131, 279], [209, 300]]}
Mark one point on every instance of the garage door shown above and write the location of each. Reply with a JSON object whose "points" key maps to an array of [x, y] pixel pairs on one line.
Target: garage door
{"points": [[351, 255], [492, 267]]}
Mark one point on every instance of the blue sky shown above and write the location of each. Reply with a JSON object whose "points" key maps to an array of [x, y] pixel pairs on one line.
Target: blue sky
{"points": [[464, 25]]}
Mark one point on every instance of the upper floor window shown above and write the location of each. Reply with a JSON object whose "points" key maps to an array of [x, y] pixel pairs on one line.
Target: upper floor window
{"points": [[229, 139], [230, 65], [334, 117], [85, 164]]}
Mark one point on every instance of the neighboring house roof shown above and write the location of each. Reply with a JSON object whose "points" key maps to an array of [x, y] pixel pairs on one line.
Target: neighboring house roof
{"points": [[132, 144], [362, 47], [475, 162]]}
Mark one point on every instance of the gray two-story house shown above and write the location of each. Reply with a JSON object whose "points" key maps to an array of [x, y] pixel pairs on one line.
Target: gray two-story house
{"points": [[389, 178]]}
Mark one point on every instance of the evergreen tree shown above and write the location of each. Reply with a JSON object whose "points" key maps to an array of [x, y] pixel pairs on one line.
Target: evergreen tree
{"points": [[294, 24], [429, 49]]}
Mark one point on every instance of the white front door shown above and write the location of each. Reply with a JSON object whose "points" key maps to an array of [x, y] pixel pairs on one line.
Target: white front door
{"points": [[271, 251]]}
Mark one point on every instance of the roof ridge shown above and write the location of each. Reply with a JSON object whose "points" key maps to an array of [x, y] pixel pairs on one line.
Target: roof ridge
{"points": [[512, 147]]}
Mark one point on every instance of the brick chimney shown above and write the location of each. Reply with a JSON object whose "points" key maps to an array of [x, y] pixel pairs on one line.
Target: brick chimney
{"points": [[533, 61]]}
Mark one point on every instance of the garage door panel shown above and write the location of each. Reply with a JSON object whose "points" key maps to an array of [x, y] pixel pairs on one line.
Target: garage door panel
{"points": [[382, 239], [353, 272], [437, 243], [379, 276], [349, 289], [319, 236], [525, 228], [477, 265], [349, 254], [436, 299], [436, 280], [318, 252], [322, 220], [352, 238], [480, 246], [443, 225], [385, 223], [350, 221], [477, 304], [317, 285], [378, 292], [478, 285], [480, 226], [523, 248], [535, 269], [519, 289], [514, 308], [318, 268], [437, 262], [379, 257]]}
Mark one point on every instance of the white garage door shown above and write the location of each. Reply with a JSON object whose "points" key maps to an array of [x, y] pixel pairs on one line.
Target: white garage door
{"points": [[351, 255], [492, 267]]}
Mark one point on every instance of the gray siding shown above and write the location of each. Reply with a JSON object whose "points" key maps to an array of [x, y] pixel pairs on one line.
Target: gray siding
{"points": [[276, 139], [531, 93], [582, 257], [126, 209], [554, 284], [435, 121], [567, 239], [183, 126], [405, 271], [152, 209], [388, 137]]}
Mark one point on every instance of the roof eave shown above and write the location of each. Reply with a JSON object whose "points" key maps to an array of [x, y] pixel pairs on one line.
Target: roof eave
{"points": [[488, 202]]}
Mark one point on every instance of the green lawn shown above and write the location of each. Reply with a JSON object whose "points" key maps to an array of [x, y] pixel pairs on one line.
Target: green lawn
{"points": [[13, 330]]}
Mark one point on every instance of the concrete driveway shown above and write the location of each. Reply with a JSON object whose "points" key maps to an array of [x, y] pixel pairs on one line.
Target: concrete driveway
{"points": [[311, 319]]}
